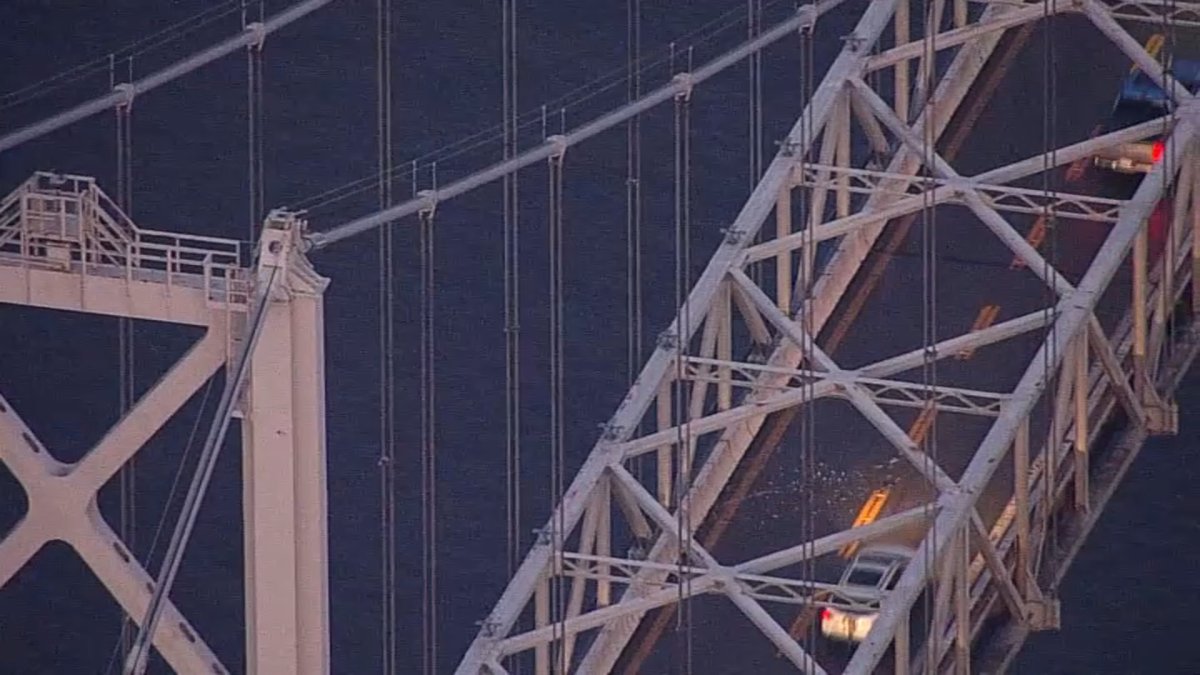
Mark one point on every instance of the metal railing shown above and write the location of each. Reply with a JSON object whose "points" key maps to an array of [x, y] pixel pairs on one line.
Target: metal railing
{"points": [[67, 223]]}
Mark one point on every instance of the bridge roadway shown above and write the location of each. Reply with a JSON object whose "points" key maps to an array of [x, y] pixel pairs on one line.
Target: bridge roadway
{"points": [[977, 283]]}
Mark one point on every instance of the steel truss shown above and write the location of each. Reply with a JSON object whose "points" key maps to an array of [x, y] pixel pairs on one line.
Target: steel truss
{"points": [[968, 565], [65, 245]]}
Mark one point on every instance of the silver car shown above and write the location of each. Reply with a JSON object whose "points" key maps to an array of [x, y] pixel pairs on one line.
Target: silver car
{"points": [[855, 604]]}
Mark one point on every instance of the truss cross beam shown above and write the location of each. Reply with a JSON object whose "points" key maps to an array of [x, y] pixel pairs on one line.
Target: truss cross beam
{"points": [[852, 390], [985, 212], [999, 197], [882, 391], [946, 191]]}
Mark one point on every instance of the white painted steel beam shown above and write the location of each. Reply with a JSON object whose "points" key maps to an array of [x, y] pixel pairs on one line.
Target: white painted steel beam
{"points": [[946, 191], [743, 231], [706, 580], [1164, 12], [718, 467], [887, 426], [779, 397], [994, 221], [833, 282], [1074, 312], [65, 245], [62, 501], [1000, 197], [883, 391], [284, 496]]}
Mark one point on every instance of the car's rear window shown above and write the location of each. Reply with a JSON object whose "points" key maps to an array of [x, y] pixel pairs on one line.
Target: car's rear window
{"points": [[864, 577]]}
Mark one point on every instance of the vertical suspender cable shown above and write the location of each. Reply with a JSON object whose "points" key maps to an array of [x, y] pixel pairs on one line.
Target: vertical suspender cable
{"points": [[689, 450], [512, 302], [1050, 450], [557, 363], [387, 348], [428, 441], [1171, 194], [754, 11], [683, 441], [254, 117], [127, 476], [802, 304], [633, 203], [932, 23]]}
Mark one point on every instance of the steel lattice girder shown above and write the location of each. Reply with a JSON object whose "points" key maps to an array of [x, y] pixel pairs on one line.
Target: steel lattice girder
{"points": [[603, 474]]}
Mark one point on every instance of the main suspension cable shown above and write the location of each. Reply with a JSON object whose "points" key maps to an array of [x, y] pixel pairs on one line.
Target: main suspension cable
{"points": [[531, 118], [140, 48], [178, 69]]}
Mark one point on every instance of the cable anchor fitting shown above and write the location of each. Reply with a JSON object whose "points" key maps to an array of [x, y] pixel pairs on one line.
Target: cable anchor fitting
{"points": [[259, 32], [558, 144], [685, 83], [807, 14], [127, 92], [429, 204]]}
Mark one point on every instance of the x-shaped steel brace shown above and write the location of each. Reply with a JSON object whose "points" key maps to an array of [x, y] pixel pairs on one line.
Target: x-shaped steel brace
{"points": [[62, 501], [623, 480], [971, 197], [854, 391]]}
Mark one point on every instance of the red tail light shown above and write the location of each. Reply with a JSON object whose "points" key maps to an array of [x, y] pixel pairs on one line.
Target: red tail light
{"points": [[826, 614], [1157, 152]]}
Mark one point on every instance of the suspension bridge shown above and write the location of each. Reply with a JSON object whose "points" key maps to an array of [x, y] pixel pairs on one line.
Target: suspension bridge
{"points": [[931, 323]]}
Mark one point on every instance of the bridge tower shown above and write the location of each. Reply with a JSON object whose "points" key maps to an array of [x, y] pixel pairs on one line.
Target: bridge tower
{"points": [[65, 245]]}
